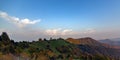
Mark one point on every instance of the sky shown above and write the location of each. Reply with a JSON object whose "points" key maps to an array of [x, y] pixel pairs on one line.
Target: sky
{"points": [[32, 19]]}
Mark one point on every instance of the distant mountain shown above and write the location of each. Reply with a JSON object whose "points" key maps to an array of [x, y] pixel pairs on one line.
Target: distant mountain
{"points": [[115, 39], [56, 49], [113, 42]]}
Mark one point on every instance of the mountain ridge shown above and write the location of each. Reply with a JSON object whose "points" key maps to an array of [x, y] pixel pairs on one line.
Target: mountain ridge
{"points": [[53, 49], [94, 45]]}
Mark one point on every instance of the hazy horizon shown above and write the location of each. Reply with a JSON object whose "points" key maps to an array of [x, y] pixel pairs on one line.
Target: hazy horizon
{"points": [[33, 19]]}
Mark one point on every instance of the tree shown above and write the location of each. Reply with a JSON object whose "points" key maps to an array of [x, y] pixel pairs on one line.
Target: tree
{"points": [[51, 38], [45, 39], [98, 57], [0, 38], [40, 39], [5, 38]]}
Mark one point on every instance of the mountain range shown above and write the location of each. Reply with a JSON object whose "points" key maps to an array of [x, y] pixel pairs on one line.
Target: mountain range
{"points": [[56, 49], [115, 42]]}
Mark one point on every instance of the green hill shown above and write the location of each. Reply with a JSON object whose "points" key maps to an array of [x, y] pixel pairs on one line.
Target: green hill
{"points": [[53, 49]]}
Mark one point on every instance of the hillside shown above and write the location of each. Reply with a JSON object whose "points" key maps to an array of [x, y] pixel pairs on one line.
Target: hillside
{"points": [[84, 41], [55, 49], [93, 47]]}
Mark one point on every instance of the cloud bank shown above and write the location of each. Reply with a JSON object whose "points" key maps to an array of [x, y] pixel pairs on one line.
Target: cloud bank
{"points": [[17, 21], [59, 31]]}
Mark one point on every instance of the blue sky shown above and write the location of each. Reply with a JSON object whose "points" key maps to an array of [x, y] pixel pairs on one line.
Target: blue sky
{"points": [[95, 18]]}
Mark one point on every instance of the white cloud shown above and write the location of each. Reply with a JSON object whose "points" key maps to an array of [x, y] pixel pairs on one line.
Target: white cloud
{"points": [[67, 31], [17, 21], [89, 31], [53, 31], [59, 31]]}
